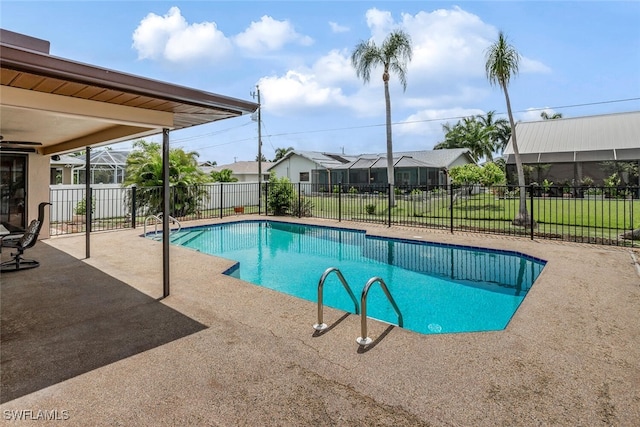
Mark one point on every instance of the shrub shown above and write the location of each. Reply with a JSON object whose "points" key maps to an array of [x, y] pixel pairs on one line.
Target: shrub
{"points": [[370, 209], [303, 209], [280, 195], [353, 190], [81, 207]]}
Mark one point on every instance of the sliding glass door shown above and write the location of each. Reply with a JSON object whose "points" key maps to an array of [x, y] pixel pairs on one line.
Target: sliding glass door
{"points": [[13, 190]]}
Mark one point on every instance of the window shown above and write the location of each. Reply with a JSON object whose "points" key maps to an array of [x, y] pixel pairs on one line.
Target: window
{"points": [[304, 176]]}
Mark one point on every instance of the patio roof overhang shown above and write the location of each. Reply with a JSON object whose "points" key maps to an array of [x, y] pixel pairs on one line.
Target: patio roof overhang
{"points": [[67, 105]]}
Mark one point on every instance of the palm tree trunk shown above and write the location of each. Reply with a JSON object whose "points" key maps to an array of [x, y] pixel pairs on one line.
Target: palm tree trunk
{"points": [[390, 173], [522, 219]]}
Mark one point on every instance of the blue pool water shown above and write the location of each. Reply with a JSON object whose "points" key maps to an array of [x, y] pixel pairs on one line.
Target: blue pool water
{"points": [[439, 288]]}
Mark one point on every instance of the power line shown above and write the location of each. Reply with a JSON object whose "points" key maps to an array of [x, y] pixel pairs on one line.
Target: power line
{"points": [[384, 124], [451, 118]]}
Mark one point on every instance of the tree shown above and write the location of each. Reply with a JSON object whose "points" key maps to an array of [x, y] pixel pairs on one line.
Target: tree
{"points": [[487, 175], [498, 131], [392, 55], [481, 134], [263, 158], [502, 62], [281, 152], [225, 175], [468, 133], [547, 116], [144, 169]]}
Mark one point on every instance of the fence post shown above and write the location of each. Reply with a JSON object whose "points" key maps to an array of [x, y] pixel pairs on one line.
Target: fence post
{"points": [[266, 198], [134, 193], [389, 204], [221, 200], [450, 187], [339, 202], [299, 202], [532, 218]]}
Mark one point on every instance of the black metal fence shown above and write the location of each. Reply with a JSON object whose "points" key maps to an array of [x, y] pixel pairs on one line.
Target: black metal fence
{"points": [[599, 215]]}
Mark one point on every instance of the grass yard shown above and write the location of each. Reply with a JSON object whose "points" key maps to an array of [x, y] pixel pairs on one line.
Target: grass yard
{"points": [[584, 219]]}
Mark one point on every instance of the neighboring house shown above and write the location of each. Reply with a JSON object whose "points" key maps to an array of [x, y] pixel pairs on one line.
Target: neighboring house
{"points": [[107, 167], [570, 149], [243, 171], [309, 166], [426, 168], [62, 168]]}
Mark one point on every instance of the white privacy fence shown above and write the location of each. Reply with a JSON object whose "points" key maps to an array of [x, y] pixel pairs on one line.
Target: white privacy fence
{"points": [[114, 201]]}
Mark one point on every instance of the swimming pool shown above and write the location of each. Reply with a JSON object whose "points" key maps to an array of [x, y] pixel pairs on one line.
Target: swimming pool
{"points": [[439, 288]]}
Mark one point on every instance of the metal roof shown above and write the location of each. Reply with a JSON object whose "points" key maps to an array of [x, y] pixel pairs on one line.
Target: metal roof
{"points": [[590, 138], [326, 160], [438, 159], [106, 157]]}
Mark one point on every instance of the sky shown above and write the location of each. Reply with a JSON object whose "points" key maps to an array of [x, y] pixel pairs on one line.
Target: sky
{"points": [[578, 58]]}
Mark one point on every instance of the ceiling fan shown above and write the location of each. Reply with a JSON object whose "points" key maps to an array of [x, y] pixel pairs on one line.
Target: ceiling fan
{"points": [[3, 142]]}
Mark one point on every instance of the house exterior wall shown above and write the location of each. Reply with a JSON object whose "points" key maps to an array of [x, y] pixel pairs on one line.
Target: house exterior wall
{"points": [[38, 175], [293, 166]]}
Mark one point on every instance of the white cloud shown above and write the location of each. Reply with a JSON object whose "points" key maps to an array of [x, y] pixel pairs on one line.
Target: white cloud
{"points": [[380, 23], [447, 43], [447, 72], [269, 35], [335, 68], [295, 91], [337, 28], [528, 65], [171, 38], [429, 122]]}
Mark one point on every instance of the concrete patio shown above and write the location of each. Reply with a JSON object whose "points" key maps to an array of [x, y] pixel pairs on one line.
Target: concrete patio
{"points": [[89, 341]]}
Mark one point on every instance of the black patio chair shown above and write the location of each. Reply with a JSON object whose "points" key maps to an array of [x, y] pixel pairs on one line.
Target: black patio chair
{"points": [[26, 240]]}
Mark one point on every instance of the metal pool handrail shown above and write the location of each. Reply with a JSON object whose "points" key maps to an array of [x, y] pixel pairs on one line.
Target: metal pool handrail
{"points": [[158, 218], [321, 325], [363, 339]]}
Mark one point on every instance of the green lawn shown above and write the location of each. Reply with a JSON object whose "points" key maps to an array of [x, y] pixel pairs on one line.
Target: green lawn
{"points": [[605, 218]]}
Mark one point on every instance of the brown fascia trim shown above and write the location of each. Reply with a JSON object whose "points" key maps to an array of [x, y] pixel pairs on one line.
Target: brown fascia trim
{"points": [[24, 41], [64, 69]]}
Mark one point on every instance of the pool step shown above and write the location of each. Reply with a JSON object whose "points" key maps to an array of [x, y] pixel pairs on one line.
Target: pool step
{"points": [[187, 237]]}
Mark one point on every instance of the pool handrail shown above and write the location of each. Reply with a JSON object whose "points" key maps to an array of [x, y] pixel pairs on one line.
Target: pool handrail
{"points": [[363, 339], [321, 325], [158, 218]]}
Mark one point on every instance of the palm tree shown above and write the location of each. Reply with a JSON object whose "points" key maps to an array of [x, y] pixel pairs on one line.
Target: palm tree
{"points": [[392, 55], [498, 132], [547, 116], [502, 61], [144, 169], [281, 152], [480, 134]]}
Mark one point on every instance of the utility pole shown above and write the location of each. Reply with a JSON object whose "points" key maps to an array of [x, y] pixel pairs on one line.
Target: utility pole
{"points": [[254, 95]]}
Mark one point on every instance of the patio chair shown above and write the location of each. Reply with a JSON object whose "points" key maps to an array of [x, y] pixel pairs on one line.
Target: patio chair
{"points": [[20, 243]]}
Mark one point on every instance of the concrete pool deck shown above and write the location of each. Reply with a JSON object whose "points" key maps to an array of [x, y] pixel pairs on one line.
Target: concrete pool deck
{"points": [[90, 340]]}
